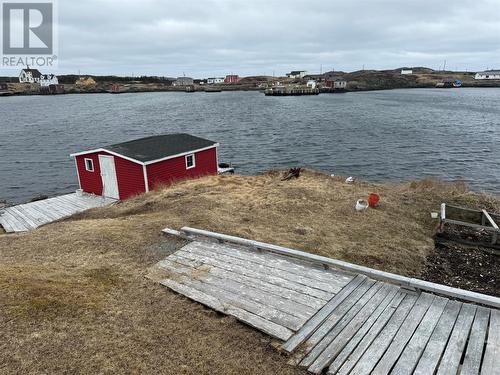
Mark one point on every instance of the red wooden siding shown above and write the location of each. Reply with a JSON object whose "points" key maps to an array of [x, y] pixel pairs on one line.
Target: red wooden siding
{"points": [[129, 175], [165, 172], [90, 181]]}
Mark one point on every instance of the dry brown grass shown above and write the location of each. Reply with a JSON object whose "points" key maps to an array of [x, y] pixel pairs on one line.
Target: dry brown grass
{"points": [[73, 296]]}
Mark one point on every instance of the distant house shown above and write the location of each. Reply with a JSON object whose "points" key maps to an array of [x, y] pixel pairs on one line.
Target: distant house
{"points": [[215, 80], [183, 81], [29, 76], [311, 83], [296, 74], [52, 89], [315, 77], [85, 81], [48, 79], [406, 71], [123, 170], [339, 84], [336, 84], [488, 74], [232, 78]]}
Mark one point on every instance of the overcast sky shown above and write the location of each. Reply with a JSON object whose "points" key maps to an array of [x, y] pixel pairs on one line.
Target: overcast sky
{"points": [[203, 38]]}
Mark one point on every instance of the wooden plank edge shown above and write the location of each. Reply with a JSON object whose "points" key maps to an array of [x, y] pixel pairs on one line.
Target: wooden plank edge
{"points": [[255, 321], [403, 281]]}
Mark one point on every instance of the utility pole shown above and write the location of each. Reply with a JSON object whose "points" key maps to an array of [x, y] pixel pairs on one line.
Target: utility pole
{"points": [[444, 66]]}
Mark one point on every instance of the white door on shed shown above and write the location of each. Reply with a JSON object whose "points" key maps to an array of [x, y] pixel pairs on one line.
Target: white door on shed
{"points": [[108, 177]]}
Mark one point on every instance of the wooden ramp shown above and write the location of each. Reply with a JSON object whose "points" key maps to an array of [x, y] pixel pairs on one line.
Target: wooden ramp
{"points": [[25, 217], [334, 321]]}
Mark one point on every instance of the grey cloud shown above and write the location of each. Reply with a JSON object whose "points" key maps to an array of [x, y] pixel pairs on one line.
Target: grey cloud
{"points": [[205, 37]]}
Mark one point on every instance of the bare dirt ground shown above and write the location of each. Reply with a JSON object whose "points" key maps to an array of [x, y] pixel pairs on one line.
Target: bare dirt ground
{"points": [[465, 267], [74, 297]]}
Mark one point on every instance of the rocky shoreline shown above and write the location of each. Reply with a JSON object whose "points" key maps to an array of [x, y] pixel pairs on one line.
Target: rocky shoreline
{"points": [[363, 80]]}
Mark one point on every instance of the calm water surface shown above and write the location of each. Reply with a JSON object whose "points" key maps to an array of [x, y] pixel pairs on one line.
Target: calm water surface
{"points": [[384, 135]]}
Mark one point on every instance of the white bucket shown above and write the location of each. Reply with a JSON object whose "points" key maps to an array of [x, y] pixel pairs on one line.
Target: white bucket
{"points": [[361, 205], [79, 192]]}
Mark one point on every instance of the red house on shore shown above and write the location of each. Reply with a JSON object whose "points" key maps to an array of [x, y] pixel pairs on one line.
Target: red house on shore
{"points": [[232, 78], [126, 169]]}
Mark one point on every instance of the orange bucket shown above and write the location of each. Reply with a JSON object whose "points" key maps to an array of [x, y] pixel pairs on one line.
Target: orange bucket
{"points": [[373, 200]]}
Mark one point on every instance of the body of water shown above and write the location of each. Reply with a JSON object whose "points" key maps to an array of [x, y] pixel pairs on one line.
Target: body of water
{"points": [[379, 135]]}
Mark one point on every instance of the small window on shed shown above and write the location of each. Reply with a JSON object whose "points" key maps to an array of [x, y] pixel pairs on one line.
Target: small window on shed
{"points": [[190, 162], [89, 165]]}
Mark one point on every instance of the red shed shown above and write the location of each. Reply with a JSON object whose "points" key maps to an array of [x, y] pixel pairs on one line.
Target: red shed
{"points": [[125, 169]]}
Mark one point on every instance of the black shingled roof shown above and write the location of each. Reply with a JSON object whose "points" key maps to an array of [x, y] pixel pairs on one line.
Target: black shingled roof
{"points": [[159, 146]]}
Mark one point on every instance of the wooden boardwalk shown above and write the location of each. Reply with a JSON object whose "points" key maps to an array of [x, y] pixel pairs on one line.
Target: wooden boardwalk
{"points": [[25, 217], [333, 321]]}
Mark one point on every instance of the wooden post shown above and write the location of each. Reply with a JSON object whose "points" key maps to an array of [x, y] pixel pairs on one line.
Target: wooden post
{"points": [[443, 217], [494, 236]]}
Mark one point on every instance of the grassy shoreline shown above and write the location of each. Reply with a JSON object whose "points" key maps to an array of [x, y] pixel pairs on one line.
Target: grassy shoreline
{"points": [[74, 297]]}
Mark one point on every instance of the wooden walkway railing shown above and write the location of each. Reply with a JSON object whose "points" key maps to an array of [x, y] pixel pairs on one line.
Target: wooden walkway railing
{"points": [[330, 319]]}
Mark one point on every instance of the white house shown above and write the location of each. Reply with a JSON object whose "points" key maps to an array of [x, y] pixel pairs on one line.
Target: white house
{"points": [[296, 74], [311, 83], [29, 76], [215, 80], [340, 84], [406, 71], [488, 74], [48, 79]]}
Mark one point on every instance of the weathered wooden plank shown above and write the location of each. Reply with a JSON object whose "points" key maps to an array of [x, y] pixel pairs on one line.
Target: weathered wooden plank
{"points": [[46, 209], [416, 345], [264, 276], [383, 311], [34, 213], [338, 264], [243, 302], [41, 211], [253, 320], [383, 337], [454, 350], [20, 215], [470, 225], [74, 204], [404, 334], [340, 339], [301, 298], [489, 218], [474, 353], [62, 209], [437, 342], [337, 315], [291, 265], [284, 279], [312, 324], [337, 321], [492, 351], [332, 286], [23, 216], [247, 291], [7, 222], [19, 225]]}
